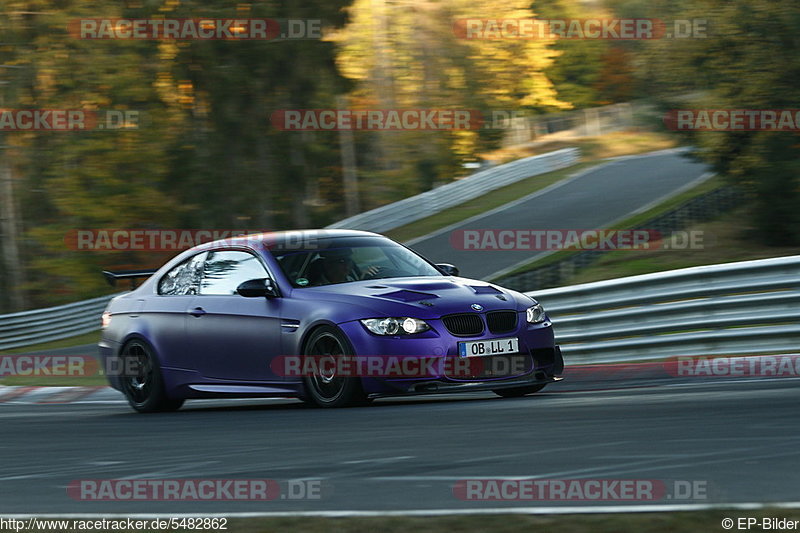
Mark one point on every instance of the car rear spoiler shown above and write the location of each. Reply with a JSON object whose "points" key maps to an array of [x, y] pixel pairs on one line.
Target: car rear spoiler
{"points": [[133, 275]]}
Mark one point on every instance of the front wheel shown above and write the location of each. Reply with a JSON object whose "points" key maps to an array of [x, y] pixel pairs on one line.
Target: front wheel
{"points": [[327, 389], [519, 391], [142, 382]]}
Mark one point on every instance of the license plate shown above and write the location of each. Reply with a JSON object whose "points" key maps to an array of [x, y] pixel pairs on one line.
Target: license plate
{"points": [[492, 347]]}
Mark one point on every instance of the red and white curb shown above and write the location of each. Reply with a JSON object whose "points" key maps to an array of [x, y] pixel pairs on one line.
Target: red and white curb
{"points": [[15, 395]]}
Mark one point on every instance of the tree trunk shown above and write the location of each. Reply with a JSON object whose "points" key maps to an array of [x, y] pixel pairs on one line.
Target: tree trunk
{"points": [[8, 229]]}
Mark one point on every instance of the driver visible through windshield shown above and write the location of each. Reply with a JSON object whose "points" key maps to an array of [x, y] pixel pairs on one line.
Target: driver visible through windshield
{"points": [[342, 260]]}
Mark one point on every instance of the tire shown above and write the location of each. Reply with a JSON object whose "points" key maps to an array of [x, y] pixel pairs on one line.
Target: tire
{"points": [[519, 391], [331, 390], [144, 390]]}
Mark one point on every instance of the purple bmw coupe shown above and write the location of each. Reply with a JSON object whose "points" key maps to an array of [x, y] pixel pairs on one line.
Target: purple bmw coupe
{"points": [[333, 317]]}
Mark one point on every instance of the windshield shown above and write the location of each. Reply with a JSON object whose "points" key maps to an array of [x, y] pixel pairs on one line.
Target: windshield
{"points": [[347, 259]]}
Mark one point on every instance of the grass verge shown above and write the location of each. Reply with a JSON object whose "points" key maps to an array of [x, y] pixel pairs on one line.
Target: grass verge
{"points": [[725, 240], [86, 338]]}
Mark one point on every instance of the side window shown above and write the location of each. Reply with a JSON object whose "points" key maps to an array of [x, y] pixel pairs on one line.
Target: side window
{"points": [[225, 270], [183, 278]]}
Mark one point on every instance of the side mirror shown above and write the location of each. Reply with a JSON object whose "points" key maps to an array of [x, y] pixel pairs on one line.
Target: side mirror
{"points": [[255, 288], [447, 269]]}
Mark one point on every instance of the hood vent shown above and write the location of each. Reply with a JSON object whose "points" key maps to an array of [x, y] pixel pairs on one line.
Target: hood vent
{"points": [[407, 296], [485, 289]]}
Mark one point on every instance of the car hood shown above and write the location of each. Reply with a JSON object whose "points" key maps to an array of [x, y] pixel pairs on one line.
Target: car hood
{"points": [[421, 297]]}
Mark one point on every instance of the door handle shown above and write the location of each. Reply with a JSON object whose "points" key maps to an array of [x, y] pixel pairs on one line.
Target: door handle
{"points": [[197, 311]]}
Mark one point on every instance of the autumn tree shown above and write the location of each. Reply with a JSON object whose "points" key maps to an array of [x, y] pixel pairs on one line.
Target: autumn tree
{"points": [[203, 155], [577, 70], [749, 60], [409, 56]]}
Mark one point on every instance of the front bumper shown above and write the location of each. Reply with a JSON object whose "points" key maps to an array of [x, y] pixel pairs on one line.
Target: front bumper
{"points": [[543, 360]]}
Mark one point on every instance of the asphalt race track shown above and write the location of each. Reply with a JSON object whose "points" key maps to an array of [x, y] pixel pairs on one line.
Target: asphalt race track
{"points": [[594, 200], [738, 438]]}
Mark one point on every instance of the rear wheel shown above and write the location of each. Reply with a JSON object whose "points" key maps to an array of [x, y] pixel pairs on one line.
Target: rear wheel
{"points": [[325, 388], [142, 382], [519, 391]]}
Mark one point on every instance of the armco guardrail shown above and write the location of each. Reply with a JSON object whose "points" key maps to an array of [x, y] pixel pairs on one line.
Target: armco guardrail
{"points": [[749, 307], [50, 324], [431, 202]]}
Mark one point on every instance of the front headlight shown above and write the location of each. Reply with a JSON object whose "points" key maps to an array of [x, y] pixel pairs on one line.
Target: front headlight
{"points": [[535, 314], [395, 326]]}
